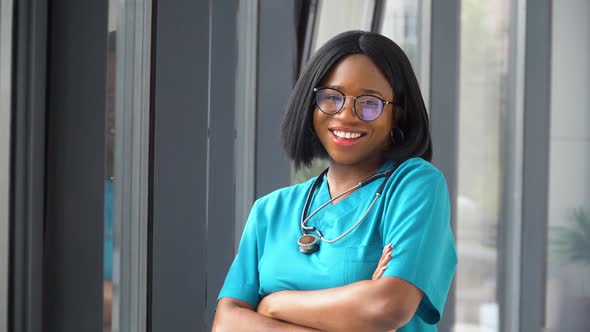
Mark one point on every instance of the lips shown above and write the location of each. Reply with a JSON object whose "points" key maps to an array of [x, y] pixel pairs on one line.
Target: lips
{"points": [[346, 136]]}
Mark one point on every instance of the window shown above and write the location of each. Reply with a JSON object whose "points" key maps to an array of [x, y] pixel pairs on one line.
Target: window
{"points": [[336, 16], [126, 178], [568, 248], [407, 22], [482, 104]]}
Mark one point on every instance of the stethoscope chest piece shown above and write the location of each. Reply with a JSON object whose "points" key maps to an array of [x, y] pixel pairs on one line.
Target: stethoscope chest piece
{"points": [[308, 244]]}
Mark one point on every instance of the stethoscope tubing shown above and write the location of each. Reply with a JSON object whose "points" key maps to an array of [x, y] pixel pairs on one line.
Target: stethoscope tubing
{"points": [[304, 219]]}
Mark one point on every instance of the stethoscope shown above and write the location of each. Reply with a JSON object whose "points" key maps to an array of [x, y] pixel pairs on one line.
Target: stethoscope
{"points": [[309, 243]]}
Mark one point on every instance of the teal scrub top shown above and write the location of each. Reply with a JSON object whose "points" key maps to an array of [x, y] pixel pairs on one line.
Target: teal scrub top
{"points": [[413, 214]]}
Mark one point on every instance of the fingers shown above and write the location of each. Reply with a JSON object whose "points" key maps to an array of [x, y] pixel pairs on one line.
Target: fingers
{"points": [[378, 273], [382, 265], [386, 256]]}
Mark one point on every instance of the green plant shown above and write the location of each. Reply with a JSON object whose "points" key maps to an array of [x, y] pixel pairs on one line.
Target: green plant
{"points": [[573, 241]]}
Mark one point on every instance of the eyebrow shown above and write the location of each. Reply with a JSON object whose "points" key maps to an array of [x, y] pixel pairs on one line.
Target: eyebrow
{"points": [[363, 91]]}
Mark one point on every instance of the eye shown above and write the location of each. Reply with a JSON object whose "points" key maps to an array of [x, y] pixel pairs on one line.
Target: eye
{"points": [[333, 97], [370, 102]]}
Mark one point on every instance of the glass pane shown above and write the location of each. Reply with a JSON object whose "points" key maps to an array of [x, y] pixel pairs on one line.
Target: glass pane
{"points": [[126, 178], [407, 22], [336, 16], [6, 12], [109, 252], [568, 257], [482, 100], [400, 24]]}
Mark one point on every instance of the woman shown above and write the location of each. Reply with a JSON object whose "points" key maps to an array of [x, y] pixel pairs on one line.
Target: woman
{"points": [[317, 255]]}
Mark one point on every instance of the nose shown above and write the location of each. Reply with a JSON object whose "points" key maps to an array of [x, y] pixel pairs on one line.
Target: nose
{"points": [[347, 111]]}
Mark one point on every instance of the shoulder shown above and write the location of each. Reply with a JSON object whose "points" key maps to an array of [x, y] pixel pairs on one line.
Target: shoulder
{"points": [[278, 206], [284, 196], [417, 188], [417, 176], [418, 170]]}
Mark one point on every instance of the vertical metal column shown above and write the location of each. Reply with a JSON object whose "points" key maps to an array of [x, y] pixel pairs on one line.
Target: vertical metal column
{"points": [[277, 58], [245, 112], [194, 137], [131, 83], [444, 109], [76, 103], [510, 223], [221, 184], [537, 91], [27, 164], [6, 19], [180, 94]]}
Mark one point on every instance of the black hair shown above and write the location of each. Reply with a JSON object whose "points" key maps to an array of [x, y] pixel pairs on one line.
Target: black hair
{"points": [[299, 139]]}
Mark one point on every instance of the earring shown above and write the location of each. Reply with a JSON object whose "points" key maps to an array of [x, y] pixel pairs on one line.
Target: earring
{"points": [[396, 135]]}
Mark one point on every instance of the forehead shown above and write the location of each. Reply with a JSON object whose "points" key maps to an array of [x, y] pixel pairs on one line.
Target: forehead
{"points": [[354, 73]]}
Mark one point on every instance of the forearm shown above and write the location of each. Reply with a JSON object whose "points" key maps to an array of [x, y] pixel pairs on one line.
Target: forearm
{"points": [[231, 317], [360, 306]]}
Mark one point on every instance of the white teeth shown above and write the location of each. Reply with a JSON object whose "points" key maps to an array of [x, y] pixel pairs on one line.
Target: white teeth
{"points": [[343, 134]]}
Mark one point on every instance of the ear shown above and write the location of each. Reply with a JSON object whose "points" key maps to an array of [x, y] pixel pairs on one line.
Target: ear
{"points": [[397, 115]]}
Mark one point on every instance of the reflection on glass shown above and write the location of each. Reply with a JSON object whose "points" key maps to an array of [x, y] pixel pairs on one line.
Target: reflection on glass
{"points": [[108, 252], [6, 48], [127, 164], [400, 24], [407, 22], [483, 71], [568, 257], [334, 17]]}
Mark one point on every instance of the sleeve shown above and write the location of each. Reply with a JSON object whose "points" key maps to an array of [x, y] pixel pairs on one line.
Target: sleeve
{"points": [[417, 224], [242, 281]]}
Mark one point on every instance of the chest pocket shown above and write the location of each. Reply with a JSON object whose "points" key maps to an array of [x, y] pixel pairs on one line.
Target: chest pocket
{"points": [[360, 262]]}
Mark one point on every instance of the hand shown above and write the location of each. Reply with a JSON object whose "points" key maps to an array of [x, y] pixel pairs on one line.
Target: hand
{"points": [[385, 258], [382, 266]]}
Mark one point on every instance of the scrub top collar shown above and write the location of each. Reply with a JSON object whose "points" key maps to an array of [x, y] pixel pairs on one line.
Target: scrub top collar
{"points": [[357, 200]]}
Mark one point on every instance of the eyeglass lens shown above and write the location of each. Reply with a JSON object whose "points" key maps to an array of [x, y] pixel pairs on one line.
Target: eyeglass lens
{"points": [[367, 108]]}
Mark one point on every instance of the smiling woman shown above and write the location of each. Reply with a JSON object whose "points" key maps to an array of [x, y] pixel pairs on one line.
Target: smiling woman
{"points": [[388, 253], [346, 139]]}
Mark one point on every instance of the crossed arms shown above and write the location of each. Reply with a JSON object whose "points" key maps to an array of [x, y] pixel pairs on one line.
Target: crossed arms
{"points": [[380, 304]]}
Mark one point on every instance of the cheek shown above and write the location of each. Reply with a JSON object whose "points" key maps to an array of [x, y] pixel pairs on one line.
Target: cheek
{"points": [[318, 119]]}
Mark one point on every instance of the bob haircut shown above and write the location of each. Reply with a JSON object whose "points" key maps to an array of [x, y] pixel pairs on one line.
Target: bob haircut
{"points": [[299, 139]]}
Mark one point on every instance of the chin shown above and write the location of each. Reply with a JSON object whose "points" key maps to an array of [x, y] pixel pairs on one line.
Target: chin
{"points": [[348, 160]]}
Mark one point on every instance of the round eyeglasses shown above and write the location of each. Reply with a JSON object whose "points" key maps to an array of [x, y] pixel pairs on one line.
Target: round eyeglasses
{"points": [[366, 107]]}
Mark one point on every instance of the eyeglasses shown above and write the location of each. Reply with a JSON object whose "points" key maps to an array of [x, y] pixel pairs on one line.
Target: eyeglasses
{"points": [[366, 107]]}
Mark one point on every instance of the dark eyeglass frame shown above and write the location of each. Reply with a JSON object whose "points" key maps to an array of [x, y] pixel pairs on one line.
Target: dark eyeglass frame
{"points": [[383, 102]]}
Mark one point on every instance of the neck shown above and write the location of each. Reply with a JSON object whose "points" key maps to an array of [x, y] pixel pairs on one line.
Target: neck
{"points": [[343, 177]]}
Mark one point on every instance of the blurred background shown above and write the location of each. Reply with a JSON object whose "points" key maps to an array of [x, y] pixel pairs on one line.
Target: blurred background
{"points": [[135, 136]]}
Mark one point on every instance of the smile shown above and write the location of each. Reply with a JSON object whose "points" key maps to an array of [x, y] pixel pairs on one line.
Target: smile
{"points": [[346, 137], [344, 134]]}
